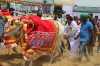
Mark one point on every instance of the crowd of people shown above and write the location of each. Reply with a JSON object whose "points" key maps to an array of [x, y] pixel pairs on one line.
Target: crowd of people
{"points": [[82, 34]]}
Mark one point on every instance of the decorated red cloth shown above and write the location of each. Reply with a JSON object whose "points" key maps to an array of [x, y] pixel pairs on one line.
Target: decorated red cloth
{"points": [[42, 35], [39, 24], [6, 13], [38, 39], [43, 25], [45, 33]]}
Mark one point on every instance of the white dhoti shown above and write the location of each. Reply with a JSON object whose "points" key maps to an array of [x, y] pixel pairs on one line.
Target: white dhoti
{"points": [[73, 32], [74, 48]]}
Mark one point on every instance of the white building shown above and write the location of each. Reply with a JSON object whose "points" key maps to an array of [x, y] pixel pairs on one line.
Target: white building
{"points": [[91, 6], [88, 6]]}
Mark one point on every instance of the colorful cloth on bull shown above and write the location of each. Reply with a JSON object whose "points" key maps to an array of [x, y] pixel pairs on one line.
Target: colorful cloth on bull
{"points": [[43, 32], [41, 39], [42, 25], [6, 13]]}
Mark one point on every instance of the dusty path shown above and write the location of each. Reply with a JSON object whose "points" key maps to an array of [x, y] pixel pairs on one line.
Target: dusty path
{"points": [[16, 60]]}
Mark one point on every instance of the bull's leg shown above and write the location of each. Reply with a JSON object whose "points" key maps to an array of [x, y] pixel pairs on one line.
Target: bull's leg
{"points": [[64, 43], [28, 60], [15, 49], [62, 48], [54, 54], [51, 58], [31, 62], [61, 51], [24, 63], [9, 52]]}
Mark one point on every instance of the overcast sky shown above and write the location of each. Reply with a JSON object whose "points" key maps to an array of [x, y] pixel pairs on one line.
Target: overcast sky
{"points": [[89, 3]]}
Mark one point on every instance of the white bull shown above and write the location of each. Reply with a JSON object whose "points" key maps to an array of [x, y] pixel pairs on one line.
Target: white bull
{"points": [[58, 42]]}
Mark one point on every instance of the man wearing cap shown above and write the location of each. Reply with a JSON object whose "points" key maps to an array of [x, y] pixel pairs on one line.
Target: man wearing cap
{"points": [[86, 31]]}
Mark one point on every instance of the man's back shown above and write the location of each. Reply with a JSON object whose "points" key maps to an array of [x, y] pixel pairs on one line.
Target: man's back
{"points": [[85, 31]]}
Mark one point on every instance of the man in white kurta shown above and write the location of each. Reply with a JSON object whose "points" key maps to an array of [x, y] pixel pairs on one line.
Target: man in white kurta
{"points": [[72, 32]]}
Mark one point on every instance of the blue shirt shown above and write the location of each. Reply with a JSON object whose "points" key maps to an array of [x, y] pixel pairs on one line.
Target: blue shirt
{"points": [[85, 31]]}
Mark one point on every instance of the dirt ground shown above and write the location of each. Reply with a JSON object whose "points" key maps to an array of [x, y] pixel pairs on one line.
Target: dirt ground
{"points": [[16, 60]]}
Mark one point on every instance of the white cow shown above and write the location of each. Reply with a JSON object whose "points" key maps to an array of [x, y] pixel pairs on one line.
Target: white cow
{"points": [[29, 53]]}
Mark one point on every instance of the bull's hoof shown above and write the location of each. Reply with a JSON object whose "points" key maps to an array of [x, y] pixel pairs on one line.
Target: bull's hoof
{"points": [[9, 53], [15, 50], [51, 61]]}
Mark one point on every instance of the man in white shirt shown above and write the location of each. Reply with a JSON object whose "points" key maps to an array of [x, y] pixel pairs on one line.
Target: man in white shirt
{"points": [[72, 32]]}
